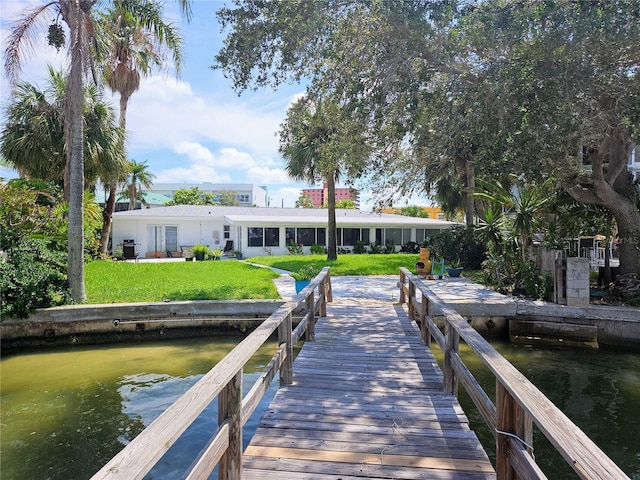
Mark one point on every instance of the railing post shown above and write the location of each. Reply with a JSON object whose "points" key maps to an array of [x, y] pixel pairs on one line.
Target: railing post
{"points": [[328, 292], [425, 334], [505, 422], [322, 291], [451, 343], [412, 296], [284, 336], [310, 331], [402, 280], [230, 406]]}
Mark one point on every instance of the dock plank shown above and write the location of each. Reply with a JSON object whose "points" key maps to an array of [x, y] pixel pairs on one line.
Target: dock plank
{"points": [[367, 401]]}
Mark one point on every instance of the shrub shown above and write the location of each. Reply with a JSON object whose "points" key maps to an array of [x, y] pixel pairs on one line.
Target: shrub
{"points": [[458, 245], [533, 284], [317, 249], [294, 248], [389, 247], [375, 247], [32, 276], [359, 247]]}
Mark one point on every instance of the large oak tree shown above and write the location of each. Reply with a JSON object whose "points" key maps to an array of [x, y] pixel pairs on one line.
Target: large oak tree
{"points": [[459, 90]]}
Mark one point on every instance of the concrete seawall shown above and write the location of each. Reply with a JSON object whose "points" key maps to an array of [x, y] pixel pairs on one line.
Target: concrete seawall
{"points": [[91, 324], [489, 312]]}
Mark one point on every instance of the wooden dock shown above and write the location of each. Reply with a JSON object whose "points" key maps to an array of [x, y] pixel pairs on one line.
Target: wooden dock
{"points": [[366, 401]]}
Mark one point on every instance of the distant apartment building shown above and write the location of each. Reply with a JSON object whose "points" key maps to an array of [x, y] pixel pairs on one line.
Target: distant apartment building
{"points": [[247, 194], [319, 196]]}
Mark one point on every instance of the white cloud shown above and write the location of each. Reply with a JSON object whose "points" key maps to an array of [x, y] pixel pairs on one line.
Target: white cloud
{"points": [[166, 112], [192, 174], [267, 176]]}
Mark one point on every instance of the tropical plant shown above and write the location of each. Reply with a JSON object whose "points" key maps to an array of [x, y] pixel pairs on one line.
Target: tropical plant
{"points": [[227, 198], [307, 272], [317, 249], [294, 248], [523, 206], [33, 135], [138, 178], [135, 39], [78, 15]]}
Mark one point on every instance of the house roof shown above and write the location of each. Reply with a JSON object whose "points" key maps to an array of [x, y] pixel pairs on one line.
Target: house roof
{"points": [[290, 216]]}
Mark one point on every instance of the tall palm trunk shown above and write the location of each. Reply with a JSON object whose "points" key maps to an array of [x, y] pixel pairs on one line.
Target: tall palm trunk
{"points": [[110, 202], [332, 254], [74, 134]]}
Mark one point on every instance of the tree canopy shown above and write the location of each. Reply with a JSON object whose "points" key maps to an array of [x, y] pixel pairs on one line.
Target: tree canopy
{"points": [[452, 92]]}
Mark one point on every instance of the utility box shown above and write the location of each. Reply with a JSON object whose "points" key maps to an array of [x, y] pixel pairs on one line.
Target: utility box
{"points": [[577, 278]]}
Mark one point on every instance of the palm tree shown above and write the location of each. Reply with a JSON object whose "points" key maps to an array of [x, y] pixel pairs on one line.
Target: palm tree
{"points": [[32, 140], [138, 177], [136, 39], [302, 140], [77, 14]]}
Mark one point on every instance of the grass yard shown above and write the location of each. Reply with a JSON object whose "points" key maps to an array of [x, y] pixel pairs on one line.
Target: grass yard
{"points": [[365, 264], [122, 282]]}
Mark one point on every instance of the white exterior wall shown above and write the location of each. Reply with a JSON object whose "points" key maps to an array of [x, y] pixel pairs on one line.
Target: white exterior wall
{"points": [[202, 224], [190, 232]]}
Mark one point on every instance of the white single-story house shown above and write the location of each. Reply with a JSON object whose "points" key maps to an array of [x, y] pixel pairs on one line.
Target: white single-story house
{"points": [[259, 231]]}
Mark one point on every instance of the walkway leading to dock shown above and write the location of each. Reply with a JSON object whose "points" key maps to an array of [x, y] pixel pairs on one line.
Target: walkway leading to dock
{"points": [[367, 401]]}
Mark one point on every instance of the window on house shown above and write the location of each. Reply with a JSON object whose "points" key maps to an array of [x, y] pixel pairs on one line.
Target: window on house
{"points": [[255, 236], [350, 236], [394, 235], [271, 237], [263, 236], [365, 236], [321, 236], [306, 236], [379, 236], [290, 235], [243, 197], [227, 231]]}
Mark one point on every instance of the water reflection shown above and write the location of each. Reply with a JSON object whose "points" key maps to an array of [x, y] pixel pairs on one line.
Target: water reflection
{"points": [[599, 390], [65, 413]]}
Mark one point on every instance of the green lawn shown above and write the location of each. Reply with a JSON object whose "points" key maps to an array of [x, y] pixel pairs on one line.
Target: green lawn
{"points": [[122, 282], [365, 264]]}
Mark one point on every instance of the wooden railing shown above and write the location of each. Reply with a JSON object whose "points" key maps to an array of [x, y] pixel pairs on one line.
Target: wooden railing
{"points": [[518, 402], [224, 381]]}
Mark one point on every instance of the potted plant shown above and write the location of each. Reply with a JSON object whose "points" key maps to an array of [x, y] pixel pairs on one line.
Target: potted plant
{"points": [[454, 269], [238, 254], [304, 276], [216, 253], [200, 251]]}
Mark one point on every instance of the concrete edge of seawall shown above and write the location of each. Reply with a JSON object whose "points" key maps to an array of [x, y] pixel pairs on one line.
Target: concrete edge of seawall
{"points": [[134, 322]]}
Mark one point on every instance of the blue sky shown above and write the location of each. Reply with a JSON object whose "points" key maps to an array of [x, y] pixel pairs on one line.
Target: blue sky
{"points": [[195, 128]]}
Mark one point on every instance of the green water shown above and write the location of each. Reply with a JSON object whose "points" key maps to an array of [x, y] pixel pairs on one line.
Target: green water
{"points": [[599, 390], [65, 413]]}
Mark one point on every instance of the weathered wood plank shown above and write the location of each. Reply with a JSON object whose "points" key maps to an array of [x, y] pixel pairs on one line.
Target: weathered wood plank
{"points": [[382, 458], [366, 389]]}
